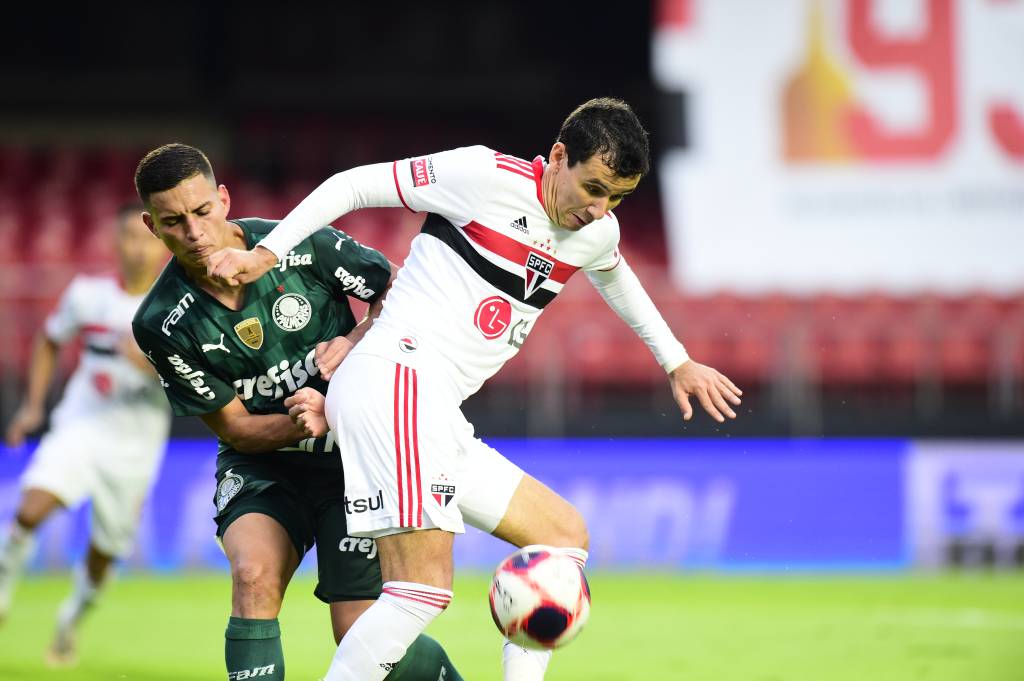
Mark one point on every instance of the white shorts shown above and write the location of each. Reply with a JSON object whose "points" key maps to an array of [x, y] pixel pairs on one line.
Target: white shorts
{"points": [[80, 460], [411, 461]]}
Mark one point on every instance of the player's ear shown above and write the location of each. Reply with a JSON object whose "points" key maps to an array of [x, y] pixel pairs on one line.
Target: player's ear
{"points": [[148, 219], [225, 198], [557, 155]]}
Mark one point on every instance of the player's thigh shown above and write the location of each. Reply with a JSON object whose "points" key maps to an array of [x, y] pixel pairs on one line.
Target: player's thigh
{"points": [[538, 515], [263, 521], [35, 506], [344, 615], [418, 556], [490, 481]]}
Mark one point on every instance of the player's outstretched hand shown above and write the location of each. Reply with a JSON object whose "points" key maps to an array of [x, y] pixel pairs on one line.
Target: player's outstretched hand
{"points": [[26, 420], [306, 409], [231, 266], [329, 354], [712, 389]]}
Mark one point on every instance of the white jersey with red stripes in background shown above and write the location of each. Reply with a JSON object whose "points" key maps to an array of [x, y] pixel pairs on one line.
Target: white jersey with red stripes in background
{"points": [[105, 387], [486, 264]]}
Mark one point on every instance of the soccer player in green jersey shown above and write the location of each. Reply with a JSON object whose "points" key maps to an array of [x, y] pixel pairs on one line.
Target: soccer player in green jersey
{"points": [[233, 355]]}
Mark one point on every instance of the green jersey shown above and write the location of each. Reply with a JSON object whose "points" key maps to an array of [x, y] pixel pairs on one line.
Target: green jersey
{"points": [[207, 354]]}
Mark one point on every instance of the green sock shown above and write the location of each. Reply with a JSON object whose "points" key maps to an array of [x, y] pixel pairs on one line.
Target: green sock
{"points": [[425, 660], [252, 649]]}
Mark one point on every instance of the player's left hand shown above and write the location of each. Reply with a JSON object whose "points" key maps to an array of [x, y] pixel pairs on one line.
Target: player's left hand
{"points": [[329, 354], [712, 389], [306, 410]]}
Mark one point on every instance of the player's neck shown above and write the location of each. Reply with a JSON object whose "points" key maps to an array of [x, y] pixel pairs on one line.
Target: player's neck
{"points": [[547, 190], [229, 296]]}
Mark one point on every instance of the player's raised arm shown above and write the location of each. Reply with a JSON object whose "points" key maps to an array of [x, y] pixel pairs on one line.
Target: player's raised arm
{"points": [[622, 290], [370, 186]]}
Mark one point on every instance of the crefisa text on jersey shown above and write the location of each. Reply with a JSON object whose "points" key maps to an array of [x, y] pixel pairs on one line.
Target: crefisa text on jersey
{"points": [[294, 259], [294, 375], [351, 282]]}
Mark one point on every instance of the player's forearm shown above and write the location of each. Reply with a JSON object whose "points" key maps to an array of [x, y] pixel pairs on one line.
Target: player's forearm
{"points": [[41, 368], [262, 433], [624, 293], [370, 186]]}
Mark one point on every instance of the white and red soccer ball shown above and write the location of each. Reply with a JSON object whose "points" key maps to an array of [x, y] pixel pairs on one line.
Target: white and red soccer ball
{"points": [[539, 598]]}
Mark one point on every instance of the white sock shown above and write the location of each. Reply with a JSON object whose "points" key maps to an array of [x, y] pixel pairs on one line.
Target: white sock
{"points": [[381, 635], [522, 664], [83, 596], [17, 548]]}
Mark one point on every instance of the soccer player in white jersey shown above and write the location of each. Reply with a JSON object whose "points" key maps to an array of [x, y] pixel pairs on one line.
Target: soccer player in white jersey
{"points": [[107, 434], [501, 238]]}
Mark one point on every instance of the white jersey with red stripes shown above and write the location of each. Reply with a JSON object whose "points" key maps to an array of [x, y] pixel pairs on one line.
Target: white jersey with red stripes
{"points": [[105, 385], [487, 262]]}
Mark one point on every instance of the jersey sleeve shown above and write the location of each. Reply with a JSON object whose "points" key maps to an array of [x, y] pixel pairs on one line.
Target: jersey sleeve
{"points": [[608, 255], [348, 267], [65, 321], [190, 386], [450, 183]]}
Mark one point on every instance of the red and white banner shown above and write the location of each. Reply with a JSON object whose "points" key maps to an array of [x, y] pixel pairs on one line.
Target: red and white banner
{"points": [[845, 145]]}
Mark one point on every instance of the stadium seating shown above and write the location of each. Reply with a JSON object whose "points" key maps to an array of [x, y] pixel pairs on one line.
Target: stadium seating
{"points": [[57, 205]]}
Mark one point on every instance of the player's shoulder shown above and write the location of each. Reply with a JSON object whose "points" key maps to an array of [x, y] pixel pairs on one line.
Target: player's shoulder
{"points": [[255, 228], [170, 290]]}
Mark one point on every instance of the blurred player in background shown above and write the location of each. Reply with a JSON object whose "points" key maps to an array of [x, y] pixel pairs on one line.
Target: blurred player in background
{"points": [[502, 237], [107, 434], [232, 355]]}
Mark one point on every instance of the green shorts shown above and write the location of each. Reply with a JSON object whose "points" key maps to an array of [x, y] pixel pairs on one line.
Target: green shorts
{"points": [[308, 502]]}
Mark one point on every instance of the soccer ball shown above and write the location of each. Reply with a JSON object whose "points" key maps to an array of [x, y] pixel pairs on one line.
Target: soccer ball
{"points": [[540, 598]]}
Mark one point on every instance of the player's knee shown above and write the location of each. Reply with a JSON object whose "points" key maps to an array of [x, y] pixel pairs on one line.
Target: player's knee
{"points": [[570, 529], [256, 587], [577, 534]]}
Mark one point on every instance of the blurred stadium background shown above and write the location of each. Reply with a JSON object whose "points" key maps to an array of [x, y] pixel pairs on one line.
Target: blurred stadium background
{"points": [[835, 220]]}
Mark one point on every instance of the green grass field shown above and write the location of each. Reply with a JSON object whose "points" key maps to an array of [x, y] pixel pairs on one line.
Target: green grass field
{"points": [[699, 628]]}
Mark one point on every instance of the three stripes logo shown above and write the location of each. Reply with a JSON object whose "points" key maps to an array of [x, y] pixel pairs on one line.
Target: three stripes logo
{"points": [[520, 224], [538, 269]]}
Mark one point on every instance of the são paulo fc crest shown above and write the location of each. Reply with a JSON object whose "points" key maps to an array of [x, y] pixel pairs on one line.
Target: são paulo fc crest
{"points": [[228, 488], [292, 312], [442, 491], [538, 269], [250, 332]]}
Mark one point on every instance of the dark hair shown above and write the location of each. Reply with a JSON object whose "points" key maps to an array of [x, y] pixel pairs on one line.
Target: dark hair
{"points": [[607, 127], [167, 166]]}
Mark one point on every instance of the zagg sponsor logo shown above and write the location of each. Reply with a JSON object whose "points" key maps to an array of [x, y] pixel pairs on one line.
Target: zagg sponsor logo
{"points": [[177, 313], [194, 378], [294, 260], [353, 283], [422, 170], [293, 376]]}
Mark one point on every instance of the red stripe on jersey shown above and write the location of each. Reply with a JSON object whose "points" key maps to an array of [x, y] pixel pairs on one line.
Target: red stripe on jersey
{"points": [[416, 450], [517, 171], [398, 444], [517, 252], [95, 328], [394, 173], [538, 174], [513, 160], [408, 450]]}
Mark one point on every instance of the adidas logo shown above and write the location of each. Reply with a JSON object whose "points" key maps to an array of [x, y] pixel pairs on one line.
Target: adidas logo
{"points": [[520, 224]]}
